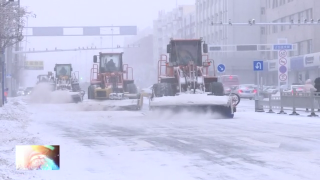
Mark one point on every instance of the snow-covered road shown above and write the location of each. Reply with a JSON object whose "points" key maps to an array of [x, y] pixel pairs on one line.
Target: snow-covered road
{"points": [[120, 145]]}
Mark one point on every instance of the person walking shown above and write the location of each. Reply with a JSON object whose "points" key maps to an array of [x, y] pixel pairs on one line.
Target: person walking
{"points": [[317, 86], [308, 87], [6, 95]]}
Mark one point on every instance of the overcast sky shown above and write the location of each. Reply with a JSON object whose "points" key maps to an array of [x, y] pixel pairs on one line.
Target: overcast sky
{"points": [[85, 13]]}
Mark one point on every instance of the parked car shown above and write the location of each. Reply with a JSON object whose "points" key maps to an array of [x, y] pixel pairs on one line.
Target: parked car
{"points": [[245, 90], [227, 89], [28, 91], [272, 89], [297, 88]]}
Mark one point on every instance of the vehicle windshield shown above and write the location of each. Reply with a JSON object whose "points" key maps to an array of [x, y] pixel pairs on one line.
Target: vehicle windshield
{"points": [[186, 51], [110, 63], [63, 70]]}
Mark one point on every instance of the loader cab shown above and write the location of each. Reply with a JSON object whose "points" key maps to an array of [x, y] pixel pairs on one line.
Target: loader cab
{"points": [[43, 78], [182, 52], [110, 62], [63, 71]]}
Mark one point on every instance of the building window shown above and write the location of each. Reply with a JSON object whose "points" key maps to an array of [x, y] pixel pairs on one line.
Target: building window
{"points": [[275, 54], [309, 14], [283, 27], [290, 18], [300, 48], [275, 27], [301, 16], [291, 53], [263, 10], [275, 4], [309, 46], [263, 30]]}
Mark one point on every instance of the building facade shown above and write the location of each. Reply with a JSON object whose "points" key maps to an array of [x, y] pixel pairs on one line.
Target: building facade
{"points": [[303, 63], [178, 24], [140, 58], [216, 11]]}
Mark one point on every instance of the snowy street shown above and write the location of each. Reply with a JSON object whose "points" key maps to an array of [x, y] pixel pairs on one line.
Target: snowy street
{"points": [[140, 145]]}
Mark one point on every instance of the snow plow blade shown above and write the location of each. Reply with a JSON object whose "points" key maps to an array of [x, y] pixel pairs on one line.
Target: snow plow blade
{"points": [[198, 103], [116, 105], [76, 97]]}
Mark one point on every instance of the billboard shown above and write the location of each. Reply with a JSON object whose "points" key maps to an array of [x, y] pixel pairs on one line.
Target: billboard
{"points": [[33, 65]]}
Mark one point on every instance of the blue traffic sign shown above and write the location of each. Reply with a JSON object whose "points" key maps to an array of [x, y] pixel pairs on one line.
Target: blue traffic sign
{"points": [[283, 69], [282, 47], [257, 65], [221, 68]]}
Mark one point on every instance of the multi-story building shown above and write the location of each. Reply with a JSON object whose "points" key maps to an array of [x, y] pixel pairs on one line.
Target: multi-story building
{"points": [[208, 11], [178, 24], [306, 37], [140, 58], [188, 29]]}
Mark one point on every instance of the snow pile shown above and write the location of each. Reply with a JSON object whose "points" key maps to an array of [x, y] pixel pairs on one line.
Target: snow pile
{"points": [[13, 123], [190, 99], [43, 93], [171, 115]]}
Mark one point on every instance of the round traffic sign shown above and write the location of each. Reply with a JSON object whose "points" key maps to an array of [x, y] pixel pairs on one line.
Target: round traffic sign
{"points": [[283, 77], [221, 68], [282, 69], [282, 61], [282, 53]]}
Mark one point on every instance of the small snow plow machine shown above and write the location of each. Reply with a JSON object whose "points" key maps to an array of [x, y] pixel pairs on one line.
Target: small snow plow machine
{"points": [[184, 82], [47, 79], [67, 81], [112, 80]]}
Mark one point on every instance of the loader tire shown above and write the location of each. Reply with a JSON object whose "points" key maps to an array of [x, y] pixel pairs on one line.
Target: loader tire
{"points": [[132, 88], [163, 89], [217, 89], [91, 92]]}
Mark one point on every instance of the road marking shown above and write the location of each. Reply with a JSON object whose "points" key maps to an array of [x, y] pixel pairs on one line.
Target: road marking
{"points": [[182, 141], [208, 151], [259, 143]]}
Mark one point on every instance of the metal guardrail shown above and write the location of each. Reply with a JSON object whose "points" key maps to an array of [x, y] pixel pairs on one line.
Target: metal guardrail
{"points": [[292, 100]]}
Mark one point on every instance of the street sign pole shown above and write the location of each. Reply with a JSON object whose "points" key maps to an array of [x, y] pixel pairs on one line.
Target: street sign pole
{"points": [[258, 82], [258, 66], [283, 49]]}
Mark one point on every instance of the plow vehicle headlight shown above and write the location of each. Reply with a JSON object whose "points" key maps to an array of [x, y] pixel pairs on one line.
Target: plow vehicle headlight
{"points": [[206, 64], [170, 64]]}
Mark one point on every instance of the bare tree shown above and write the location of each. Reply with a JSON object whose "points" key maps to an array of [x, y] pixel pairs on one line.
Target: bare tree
{"points": [[12, 21]]}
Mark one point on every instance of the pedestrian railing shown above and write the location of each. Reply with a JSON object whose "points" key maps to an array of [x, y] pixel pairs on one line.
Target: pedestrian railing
{"points": [[289, 101]]}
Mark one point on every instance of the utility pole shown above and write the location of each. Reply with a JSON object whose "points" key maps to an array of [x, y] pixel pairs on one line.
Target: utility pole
{"points": [[14, 85], [2, 59]]}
